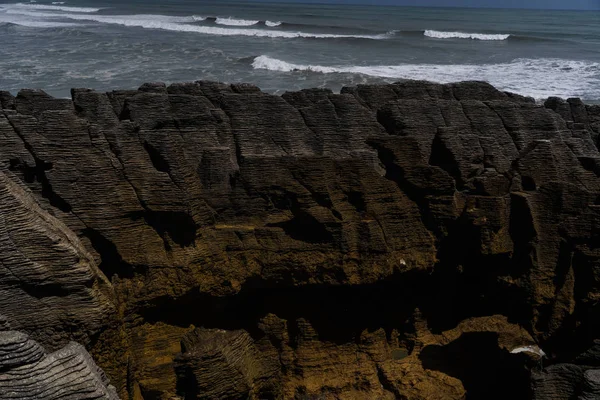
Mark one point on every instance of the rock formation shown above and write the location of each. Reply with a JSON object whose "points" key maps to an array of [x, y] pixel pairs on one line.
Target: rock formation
{"points": [[411, 241], [27, 372]]}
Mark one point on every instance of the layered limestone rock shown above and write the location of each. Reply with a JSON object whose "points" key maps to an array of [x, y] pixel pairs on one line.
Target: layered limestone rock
{"points": [[50, 285], [27, 372], [203, 240]]}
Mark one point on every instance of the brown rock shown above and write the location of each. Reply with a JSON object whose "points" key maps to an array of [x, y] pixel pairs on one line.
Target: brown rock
{"points": [[287, 241]]}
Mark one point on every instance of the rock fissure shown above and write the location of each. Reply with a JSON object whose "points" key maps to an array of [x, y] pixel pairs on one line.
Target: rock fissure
{"points": [[39, 173]]}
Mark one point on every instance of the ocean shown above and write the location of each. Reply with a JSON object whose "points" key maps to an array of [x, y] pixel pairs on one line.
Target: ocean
{"points": [[110, 44]]}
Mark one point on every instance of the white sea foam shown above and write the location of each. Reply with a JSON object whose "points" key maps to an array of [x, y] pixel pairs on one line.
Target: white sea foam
{"points": [[272, 24], [180, 24], [529, 349], [235, 22], [20, 16], [58, 2], [32, 23], [30, 6], [128, 20], [539, 78], [462, 35], [198, 18], [273, 64]]}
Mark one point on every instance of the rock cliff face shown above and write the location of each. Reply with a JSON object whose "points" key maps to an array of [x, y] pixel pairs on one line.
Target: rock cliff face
{"points": [[28, 372], [205, 241]]}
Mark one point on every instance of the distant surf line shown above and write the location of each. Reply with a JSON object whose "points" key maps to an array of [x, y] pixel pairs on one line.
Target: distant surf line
{"points": [[182, 24], [54, 7], [464, 35], [174, 23]]}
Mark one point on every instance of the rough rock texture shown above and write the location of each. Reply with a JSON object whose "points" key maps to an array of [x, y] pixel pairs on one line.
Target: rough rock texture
{"points": [[577, 380], [206, 240], [27, 372], [49, 284]]}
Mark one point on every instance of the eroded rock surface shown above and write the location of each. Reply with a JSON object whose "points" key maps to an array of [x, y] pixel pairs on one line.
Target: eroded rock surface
{"points": [[28, 372], [212, 241]]}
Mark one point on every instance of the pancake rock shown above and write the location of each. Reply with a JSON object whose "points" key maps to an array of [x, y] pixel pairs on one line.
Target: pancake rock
{"points": [[579, 379], [203, 240], [50, 285], [27, 372]]}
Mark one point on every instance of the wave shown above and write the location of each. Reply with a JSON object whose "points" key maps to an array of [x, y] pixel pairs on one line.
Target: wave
{"points": [[538, 78], [273, 64], [185, 24], [291, 30], [516, 37], [149, 19], [272, 24], [235, 22], [462, 35], [40, 24], [230, 21], [34, 23], [58, 2], [33, 6]]}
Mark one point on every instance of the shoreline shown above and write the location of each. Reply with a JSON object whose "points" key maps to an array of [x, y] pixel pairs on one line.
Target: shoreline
{"points": [[537, 101]]}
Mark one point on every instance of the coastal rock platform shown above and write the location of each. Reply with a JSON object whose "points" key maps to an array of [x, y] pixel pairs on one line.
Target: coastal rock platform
{"points": [[211, 241]]}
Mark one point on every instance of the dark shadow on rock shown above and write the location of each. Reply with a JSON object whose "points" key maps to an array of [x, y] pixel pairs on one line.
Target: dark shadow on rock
{"points": [[487, 371], [112, 263], [179, 226]]}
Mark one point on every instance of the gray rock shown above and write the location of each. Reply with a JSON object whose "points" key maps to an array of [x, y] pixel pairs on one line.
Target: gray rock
{"points": [[591, 386], [27, 373]]}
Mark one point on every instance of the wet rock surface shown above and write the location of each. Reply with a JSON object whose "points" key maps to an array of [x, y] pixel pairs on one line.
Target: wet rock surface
{"points": [[206, 240]]}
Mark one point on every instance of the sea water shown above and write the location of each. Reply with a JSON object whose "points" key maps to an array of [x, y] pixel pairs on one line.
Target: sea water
{"points": [[116, 44]]}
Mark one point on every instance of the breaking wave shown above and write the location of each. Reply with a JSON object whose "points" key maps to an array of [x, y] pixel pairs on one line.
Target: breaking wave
{"points": [[38, 24], [539, 78], [27, 21], [272, 24], [164, 22], [34, 6], [235, 22], [462, 35]]}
